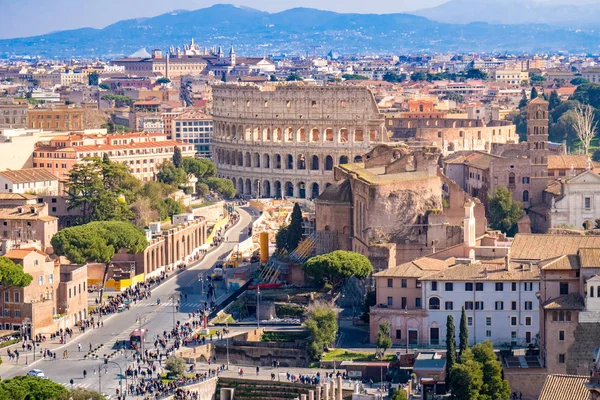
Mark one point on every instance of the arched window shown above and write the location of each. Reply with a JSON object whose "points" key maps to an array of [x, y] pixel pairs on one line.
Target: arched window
{"points": [[525, 196], [554, 315], [344, 160], [591, 291], [511, 179], [561, 316], [328, 163], [315, 163], [569, 316], [434, 303]]}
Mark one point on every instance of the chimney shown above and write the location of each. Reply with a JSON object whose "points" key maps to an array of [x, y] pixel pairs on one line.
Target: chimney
{"points": [[506, 263], [469, 224]]}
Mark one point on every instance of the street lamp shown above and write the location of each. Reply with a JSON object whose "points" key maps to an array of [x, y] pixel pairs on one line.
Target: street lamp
{"points": [[65, 306], [172, 298], [227, 343], [201, 278], [257, 306]]}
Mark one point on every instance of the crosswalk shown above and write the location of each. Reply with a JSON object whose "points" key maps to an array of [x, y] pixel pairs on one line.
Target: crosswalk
{"points": [[171, 304], [81, 385]]}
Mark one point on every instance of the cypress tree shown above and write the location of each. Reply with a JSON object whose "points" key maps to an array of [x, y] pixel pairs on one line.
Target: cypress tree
{"points": [[295, 228], [554, 100], [523, 102], [450, 348], [464, 332], [177, 158], [534, 93]]}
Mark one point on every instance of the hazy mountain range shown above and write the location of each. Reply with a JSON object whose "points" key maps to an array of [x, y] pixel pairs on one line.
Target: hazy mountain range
{"points": [[515, 12], [297, 30]]}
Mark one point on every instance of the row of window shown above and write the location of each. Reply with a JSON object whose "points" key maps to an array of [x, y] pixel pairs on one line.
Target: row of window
{"points": [[435, 304], [14, 313], [478, 286], [194, 123]]}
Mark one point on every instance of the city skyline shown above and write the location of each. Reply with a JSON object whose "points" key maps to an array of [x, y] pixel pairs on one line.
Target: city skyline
{"points": [[37, 17]]}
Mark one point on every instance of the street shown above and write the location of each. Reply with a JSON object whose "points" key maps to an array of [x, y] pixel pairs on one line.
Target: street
{"points": [[117, 327]]}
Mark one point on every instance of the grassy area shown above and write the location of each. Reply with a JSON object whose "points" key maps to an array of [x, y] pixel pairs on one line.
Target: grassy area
{"points": [[283, 336], [205, 204], [343, 355], [9, 342]]}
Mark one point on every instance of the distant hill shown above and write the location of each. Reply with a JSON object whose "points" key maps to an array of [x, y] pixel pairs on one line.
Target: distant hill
{"points": [[295, 31], [515, 12]]}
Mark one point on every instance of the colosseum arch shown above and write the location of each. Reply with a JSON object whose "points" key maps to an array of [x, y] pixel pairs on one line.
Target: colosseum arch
{"points": [[277, 134], [240, 186], [248, 133], [266, 190], [228, 158], [248, 163], [248, 187], [289, 134], [301, 190], [314, 135], [267, 134], [255, 134], [359, 135], [343, 135], [233, 132], [329, 135], [256, 189], [289, 162], [228, 132], [314, 165], [301, 135], [328, 163], [277, 189], [277, 161], [314, 191], [289, 189], [301, 162], [240, 159], [266, 161], [256, 160], [357, 159], [344, 160], [373, 135]]}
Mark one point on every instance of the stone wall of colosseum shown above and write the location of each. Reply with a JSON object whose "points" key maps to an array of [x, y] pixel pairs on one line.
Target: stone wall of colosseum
{"points": [[284, 140]]}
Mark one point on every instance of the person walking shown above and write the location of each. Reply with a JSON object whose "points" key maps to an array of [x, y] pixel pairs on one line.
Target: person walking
{"points": [[79, 346]]}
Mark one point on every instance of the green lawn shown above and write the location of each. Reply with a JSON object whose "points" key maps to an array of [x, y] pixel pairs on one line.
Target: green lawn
{"points": [[343, 355], [205, 204]]}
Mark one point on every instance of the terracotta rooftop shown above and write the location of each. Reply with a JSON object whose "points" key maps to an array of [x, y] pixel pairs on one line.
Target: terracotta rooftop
{"points": [[526, 246], [572, 301], [28, 175], [16, 196], [565, 161], [589, 258], [19, 254], [416, 268], [478, 159], [494, 270], [565, 387], [564, 262]]}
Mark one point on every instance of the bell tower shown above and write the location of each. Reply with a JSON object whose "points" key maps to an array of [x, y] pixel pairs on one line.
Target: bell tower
{"points": [[537, 145]]}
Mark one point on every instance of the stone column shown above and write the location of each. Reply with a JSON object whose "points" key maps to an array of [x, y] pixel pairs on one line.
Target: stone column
{"points": [[332, 389], [318, 393], [339, 387], [311, 395], [326, 391], [303, 397]]}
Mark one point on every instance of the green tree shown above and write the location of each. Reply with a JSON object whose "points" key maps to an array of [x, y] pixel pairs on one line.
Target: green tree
{"points": [[370, 301], [322, 325], [81, 394], [554, 101], [504, 211], [399, 394], [295, 228], [293, 77], [337, 267], [175, 367], [418, 76], [466, 378], [174, 207], [163, 81], [384, 341], [104, 86], [30, 388], [463, 335], [537, 78], [579, 81], [222, 186], [200, 167], [93, 79], [281, 238], [273, 78], [171, 175], [202, 189], [475, 73], [177, 158], [100, 190], [392, 77], [98, 242], [450, 347], [354, 77], [534, 93], [523, 102], [494, 385]]}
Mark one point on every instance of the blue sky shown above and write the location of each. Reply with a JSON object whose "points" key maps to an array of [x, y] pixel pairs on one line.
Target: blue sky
{"points": [[20, 18]]}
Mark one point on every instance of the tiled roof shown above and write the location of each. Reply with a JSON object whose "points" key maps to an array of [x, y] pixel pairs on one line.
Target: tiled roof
{"points": [[478, 159], [19, 254], [16, 196], [565, 161], [416, 268], [338, 192], [589, 258], [572, 301], [565, 387], [487, 271], [528, 246], [28, 175], [12, 212], [565, 262]]}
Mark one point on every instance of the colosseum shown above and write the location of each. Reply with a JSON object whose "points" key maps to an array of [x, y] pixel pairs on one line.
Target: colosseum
{"points": [[284, 139]]}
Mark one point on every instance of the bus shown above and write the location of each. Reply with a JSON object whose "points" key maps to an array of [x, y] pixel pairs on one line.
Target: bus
{"points": [[137, 337]]}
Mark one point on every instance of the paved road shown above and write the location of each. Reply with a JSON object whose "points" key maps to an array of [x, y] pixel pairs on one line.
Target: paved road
{"points": [[155, 318]]}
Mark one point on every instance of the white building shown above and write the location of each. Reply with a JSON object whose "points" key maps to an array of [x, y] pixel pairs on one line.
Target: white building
{"points": [[511, 76], [29, 180], [499, 297], [575, 200], [196, 128]]}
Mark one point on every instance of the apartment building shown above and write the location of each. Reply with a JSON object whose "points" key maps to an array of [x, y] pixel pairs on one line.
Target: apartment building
{"points": [[29, 180], [196, 128], [510, 76], [142, 152], [57, 118], [13, 113]]}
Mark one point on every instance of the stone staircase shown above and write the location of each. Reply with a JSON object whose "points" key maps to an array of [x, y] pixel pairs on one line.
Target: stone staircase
{"points": [[257, 389]]}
